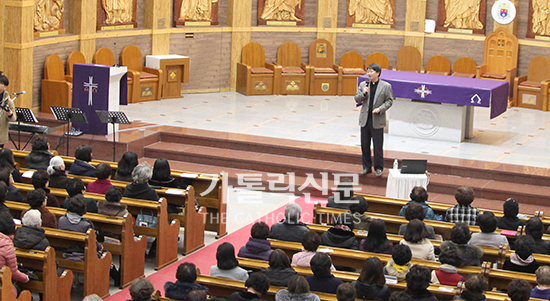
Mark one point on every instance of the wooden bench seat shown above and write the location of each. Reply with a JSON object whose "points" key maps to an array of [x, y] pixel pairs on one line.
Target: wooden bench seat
{"points": [[6, 291], [52, 286]]}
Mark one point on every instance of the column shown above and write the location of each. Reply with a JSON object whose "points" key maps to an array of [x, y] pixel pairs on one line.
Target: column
{"points": [[158, 18], [414, 24], [83, 21], [327, 20], [239, 18]]}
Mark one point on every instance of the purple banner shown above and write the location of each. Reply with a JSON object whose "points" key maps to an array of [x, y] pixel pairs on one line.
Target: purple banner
{"points": [[448, 89]]}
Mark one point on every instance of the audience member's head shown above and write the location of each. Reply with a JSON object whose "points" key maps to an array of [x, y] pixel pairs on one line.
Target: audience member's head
{"points": [[344, 191], [278, 260], [418, 278], [75, 186], [260, 230], [161, 170], [415, 211], [346, 292], [401, 254], [320, 265], [36, 198], [7, 226], [77, 204], [487, 222], [311, 241], [400, 296], [511, 208], [56, 163], [6, 158], [464, 195], [360, 205], [372, 272], [32, 218], [257, 281], [92, 297], [475, 284], [40, 143], [142, 173], [419, 194], [416, 231], [103, 171], [5, 176], [524, 246], [40, 179], [3, 191], [344, 219], [376, 239], [534, 228], [113, 194], [543, 276], [519, 290], [460, 234], [225, 255], [141, 289], [196, 295], [127, 163], [84, 153], [449, 255], [187, 272], [293, 212], [298, 285]]}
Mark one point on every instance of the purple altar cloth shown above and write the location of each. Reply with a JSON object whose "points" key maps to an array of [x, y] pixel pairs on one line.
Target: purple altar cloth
{"points": [[448, 89]]}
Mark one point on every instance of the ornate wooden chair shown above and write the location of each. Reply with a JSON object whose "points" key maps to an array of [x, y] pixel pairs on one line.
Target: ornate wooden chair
{"points": [[438, 64], [409, 59], [378, 58], [500, 57], [254, 75], [465, 67], [294, 74], [352, 67], [143, 83], [76, 57], [325, 76], [532, 90], [104, 56], [56, 90]]}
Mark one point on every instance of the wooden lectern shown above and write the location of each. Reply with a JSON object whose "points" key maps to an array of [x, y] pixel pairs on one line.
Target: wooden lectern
{"points": [[175, 70]]}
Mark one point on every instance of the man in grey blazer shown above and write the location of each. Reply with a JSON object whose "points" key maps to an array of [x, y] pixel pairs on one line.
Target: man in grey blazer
{"points": [[376, 97]]}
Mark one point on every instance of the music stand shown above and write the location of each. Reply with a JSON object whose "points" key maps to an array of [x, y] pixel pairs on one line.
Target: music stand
{"points": [[23, 115], [70, 115], [113, 117]]}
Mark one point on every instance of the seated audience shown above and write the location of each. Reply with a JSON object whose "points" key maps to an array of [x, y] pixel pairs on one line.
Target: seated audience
{"points": [[3, 191], [112, 206], [40, 156], [416, 238], [535, 228], [475, 285], [256, 285], [361, 221], [125, 167], [37, 201], [103, 182], [290, 228], [40, 180], [196, 296], [470, 255], [74, 220], [298, 289], [418, 281], [81, 165], [488, 237], [76, 187], [463, 212], [419, 195], [13, 193], [415, 211], [400, 296], [279, 271], [186, 276], [7, 160], [311, 241], [400, 264], [31, 235], [371, 282], [510, 220], [346, 292], [519, 290], [228, 266], [141, 290], [7, 250], [162, 176], [376, 240], [341, 235], [322, 279], [257, 247], [139, 188], [522, 259], [342, 196], [447, 273], [56, 170], [542, 290]]}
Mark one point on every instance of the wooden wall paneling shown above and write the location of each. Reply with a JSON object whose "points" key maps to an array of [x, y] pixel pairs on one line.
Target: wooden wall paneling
{"points": [[400, 14], [414, 24], [157, 16], [523, 18], [455, 50], [3, 55], [327, 18], [239, 15]]}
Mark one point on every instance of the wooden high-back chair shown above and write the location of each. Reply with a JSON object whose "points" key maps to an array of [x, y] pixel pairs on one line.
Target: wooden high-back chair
{"points": [[409, 59], [294, 73], [438, 64], [378, 58], [325, 77], [532, 90], [143, 83], [254, 75], [76, 57], [56, 90], [104, 56], [352, 67], [465, 67]]}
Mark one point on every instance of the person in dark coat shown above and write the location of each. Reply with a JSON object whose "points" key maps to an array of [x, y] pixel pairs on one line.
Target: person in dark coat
{"points": [[341, 235], [535, 228], [279, 271], [162, 176], [322, 279], [40, 180], [13, 193], [186, 276], [74, 220], [139, 188], [371, 282], [103, 182], [475, 284], [76, 187], [289, 229], [418, 280], [415, 211], [37, 201], [522, 259], [257, 247], [3, 191], [125, 167], [510, 220], [542, 290], [377, 241], [56, 170], [40, 156], [7, 160], [112, 206], [31, 235], [342, 196], [470, 255], [361, 221], [81, 165], [256, 285], [419, 195]]}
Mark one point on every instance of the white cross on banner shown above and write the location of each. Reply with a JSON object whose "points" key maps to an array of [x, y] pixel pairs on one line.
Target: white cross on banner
{"points": [[90, 86], [423, 91]]}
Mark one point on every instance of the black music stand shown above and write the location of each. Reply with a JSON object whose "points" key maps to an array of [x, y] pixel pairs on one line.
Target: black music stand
{"points": [[113, 117], [70, 115], [23, 115]]}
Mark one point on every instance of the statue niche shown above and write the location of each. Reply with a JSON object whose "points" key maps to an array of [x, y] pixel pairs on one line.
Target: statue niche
{"points": [[196, 12], [371, 13], [116, 14], [48, 18], [281, 12], [462, 16], [538, 25]]}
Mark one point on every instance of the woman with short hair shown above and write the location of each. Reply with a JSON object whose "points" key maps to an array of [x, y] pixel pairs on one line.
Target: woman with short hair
{"points": [[416, 238], [81, 165], [279, 271], [126, 165], [298, 290]]}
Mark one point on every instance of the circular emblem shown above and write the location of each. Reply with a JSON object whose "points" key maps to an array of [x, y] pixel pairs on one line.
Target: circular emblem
{"points": [[503, 11], [425, 120]]}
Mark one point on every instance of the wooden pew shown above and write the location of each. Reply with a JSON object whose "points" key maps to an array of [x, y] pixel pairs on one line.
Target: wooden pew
{"points": [[6, 291], [130, 248], [52, 287]]}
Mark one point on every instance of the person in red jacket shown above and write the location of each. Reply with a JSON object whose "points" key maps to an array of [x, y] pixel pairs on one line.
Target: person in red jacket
{"points": [[447, 273]]}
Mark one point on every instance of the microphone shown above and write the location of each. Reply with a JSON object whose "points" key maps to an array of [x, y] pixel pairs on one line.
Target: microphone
{"points": [[19, 93], [367, 82]]}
